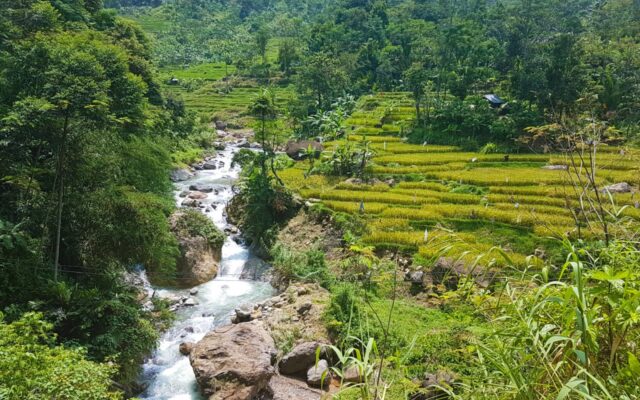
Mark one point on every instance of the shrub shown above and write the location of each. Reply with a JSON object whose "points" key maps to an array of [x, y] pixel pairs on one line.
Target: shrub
{"points": [[571, 338], [343, 316], [193, 223], [308, 266], [32, 367]]}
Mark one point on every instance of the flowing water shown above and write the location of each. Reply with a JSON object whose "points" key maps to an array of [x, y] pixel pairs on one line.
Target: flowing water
{"points": [[168, 373]]}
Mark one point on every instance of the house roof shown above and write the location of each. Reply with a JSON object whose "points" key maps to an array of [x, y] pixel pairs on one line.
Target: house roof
{"points": [[494, 99]]}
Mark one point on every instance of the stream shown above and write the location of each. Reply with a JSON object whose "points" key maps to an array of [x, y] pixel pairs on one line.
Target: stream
{"points": [[167, 373]]}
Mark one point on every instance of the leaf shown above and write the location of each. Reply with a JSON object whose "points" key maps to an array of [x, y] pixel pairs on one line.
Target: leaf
{"points": [[574, 384], [582, 356], [634, 364]]}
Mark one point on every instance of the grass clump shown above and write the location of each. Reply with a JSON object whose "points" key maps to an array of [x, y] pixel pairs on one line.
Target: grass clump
{"points": [[295, 266]]}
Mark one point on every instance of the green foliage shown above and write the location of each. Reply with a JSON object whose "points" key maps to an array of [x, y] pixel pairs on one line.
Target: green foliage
{"points": [[308, 266], [192, 223], [84, 132], [265, 204], [344, 314], [571, 335], [348, 159], [364, 362], [33, 367]]}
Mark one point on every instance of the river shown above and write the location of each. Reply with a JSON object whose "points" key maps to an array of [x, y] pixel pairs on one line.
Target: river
{"points": [[167, 373]]}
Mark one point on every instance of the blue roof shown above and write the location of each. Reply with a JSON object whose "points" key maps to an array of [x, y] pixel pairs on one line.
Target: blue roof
{"points": [[492, 98]]}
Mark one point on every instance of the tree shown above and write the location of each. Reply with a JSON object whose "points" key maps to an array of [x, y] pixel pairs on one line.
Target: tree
{"points": [[265, 110], [287, 55], [262, 37], [323, 79], [415, 79]]}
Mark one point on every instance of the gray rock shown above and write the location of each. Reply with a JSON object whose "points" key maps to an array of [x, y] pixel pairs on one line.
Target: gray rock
{"points": [[555, 167], [193, 291], [304, 308], [221, 125], [432, 382], [298, 150], [300, 358], [416, 277], [622, 187], [319, 375], [199, 259], [190, 203], [184, 193], [190, 302], [283, 388], [219, 146], [201, 188], [179, 175], [352, 374], [242, 315], [209, 165]]}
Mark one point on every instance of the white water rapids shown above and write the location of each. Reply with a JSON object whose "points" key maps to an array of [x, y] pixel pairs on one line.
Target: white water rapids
{"points": [[168, 373]]}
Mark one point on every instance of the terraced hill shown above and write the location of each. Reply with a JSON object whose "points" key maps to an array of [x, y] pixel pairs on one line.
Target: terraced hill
{"points": [[204, 90], [467, 202]]}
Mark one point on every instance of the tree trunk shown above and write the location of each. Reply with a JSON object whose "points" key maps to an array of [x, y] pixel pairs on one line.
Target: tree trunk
{"points": [[60, 173]]}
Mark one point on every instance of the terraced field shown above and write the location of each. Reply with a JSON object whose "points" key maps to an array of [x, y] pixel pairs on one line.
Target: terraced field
{"points": [[211, 99], [467, 202], [203, 91]]}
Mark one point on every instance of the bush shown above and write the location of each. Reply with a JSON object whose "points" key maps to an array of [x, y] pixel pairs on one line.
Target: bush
{"points": [[33, 367], [261, 205], [343, 316], [308, 266], [193, 223]]}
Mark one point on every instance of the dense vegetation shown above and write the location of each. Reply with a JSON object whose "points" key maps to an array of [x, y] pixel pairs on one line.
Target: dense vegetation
{"points": [[546, 59], [420, 173], [85, 151]]}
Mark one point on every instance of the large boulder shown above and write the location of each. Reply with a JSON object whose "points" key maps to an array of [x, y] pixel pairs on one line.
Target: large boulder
{"points": [[211, 164], [319, 375], [234, 362], [197, 195], [283, 388], [201, 188], [298, 150], [179, 175], [200, 244], [301, 358], [622, 187], [449, 272], [220, 125]]}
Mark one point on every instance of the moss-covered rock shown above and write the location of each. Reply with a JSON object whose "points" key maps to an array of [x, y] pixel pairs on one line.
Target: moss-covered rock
{"points": [[200, 243]]}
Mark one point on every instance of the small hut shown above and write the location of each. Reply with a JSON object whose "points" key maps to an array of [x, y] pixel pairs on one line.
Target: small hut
{"points": [[494, 100]]}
